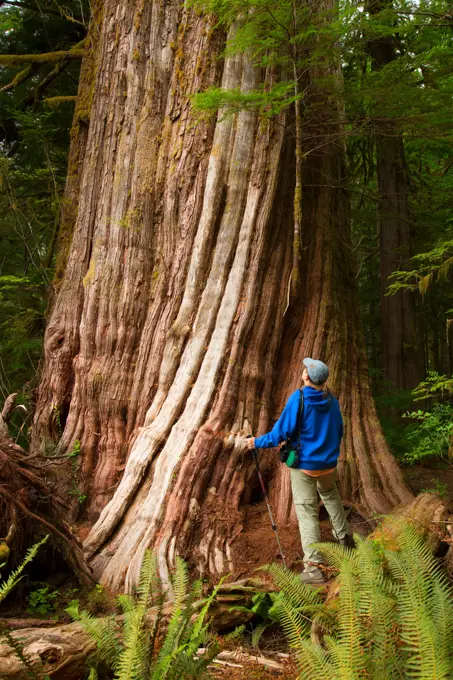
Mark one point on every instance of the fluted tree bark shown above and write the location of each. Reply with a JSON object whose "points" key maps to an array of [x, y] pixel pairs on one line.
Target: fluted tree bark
{"points": [[171, 335]]}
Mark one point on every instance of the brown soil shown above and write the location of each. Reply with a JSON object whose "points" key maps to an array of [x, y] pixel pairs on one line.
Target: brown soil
{"points": [[251, 670], [437, 477], [256, 544]]}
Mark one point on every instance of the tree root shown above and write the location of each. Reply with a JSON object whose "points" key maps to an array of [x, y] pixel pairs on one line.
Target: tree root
{"points": [[21, 487]]}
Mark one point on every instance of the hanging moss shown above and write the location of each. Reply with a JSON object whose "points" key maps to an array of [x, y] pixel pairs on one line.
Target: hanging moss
{"points": [[46, 57], [54, 102], [22, 76]]}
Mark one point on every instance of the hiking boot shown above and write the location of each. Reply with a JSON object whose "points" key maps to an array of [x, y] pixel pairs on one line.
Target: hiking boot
{"points": [[347, 541], [314, 577]]}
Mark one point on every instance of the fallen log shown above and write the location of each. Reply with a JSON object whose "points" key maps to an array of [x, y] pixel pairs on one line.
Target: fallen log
{"points": [[60, 652], [18, 624]]}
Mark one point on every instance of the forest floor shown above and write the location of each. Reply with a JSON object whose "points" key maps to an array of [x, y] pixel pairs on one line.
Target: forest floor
{"points": [[255, 546], [249, 663]]}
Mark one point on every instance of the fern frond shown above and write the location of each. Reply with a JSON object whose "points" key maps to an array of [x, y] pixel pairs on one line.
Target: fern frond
{"points": [[15, 576], [257, 633], [335, 554], [93, 674], [442, 614], [130, 660], [293, 623], [235, 634], [350, 625], [414, 545], [180, 581], [314, 663], [102, 631], [127, 603], [148, 585], [299, 594], [419, 633]]}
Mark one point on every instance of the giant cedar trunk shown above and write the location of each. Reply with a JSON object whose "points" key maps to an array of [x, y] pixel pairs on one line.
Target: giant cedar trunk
{"points": [[401, 353], [171, 333]]}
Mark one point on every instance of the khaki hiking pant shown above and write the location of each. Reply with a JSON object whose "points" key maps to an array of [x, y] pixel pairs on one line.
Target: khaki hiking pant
{"points": [[305, 495]]}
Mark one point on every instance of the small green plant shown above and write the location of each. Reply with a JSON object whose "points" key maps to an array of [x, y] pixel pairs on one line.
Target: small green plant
{"points": [[133, 649], [43, 601], [262, 606], [76, 449], [77, 493], [99, 599], [431, 435], [438, 487]]}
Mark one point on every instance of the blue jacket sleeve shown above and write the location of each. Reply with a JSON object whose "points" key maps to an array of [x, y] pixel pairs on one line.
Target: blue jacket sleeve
{"points": [[283, 428]]}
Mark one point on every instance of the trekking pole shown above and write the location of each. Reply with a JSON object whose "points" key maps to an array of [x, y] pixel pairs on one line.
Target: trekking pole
{"points": [[274, 526]]}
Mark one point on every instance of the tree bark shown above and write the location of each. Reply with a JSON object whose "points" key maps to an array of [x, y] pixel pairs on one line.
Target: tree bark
{"points": [[168, 339], [402, 357]]}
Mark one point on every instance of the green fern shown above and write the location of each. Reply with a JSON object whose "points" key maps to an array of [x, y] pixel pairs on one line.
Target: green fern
{"points": [[130, 649], [102, 631], [5, 589], [15, 576], [392, 619]]}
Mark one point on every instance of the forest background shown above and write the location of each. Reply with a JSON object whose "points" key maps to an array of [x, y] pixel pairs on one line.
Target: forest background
{"points": [[397, 63], [192, 195]]}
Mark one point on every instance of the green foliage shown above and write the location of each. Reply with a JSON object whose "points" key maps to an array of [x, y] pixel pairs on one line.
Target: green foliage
{"points": [[432, 431], [438, 487], [435, 385], [262, 607], [282, 34], [393, 617], [42, 601], [77, 493], [131, 649], [99, 599], [33, 159], [16, 575], [431, 435]]}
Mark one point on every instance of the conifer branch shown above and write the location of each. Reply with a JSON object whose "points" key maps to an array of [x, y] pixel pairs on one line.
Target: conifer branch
{"points": [[21, 77], [45, 58], [54, 102]]}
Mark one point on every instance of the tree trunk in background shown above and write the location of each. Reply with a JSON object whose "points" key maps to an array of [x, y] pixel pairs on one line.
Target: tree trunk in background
{"points": [[168, 338], [401, 350]]}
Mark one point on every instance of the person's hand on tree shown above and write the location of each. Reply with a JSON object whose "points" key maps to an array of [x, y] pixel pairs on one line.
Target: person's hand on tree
{"points": [[250, 443]]}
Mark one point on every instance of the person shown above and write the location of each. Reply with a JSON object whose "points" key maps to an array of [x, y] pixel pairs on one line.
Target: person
{"points": [[321, 432]]}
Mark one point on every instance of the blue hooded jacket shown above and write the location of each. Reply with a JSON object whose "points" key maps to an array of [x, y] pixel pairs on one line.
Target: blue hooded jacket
{"points": [[321, 433]]}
